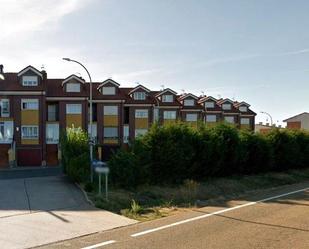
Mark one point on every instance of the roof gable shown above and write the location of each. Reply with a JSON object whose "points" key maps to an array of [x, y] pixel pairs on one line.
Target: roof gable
{"points": [[223, 101], [139, 87], [204, 99], [242, 104], [297, 116], [165, 91], [107, 82], [30, 68], [187, 95], [73, 76]]}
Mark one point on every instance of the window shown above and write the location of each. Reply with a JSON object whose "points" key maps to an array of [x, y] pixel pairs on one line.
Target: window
{"points": [[229, 119], [140, 132], [125, 134], [226, 106], [108, 90], [245, 121], [211, 118], [209, 104], [167, 98], [29, 104], [111, 132], [6, 132], [5, 108], [141, 113], [73, 87], [188, 102], [139, 96], [52, 133], [29, 132], [243, 108], [191, 117], [30, 80], [111, 110], [169, 114], [94, 130], [73, 108], [52, 113]]}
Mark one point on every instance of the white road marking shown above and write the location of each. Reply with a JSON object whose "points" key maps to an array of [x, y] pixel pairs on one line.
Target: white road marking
{"points": [[100, 244], [215, 213]]}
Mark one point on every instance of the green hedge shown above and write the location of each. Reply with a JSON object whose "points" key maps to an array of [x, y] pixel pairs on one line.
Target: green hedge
{"points": [[75, 154], [173, 153]]}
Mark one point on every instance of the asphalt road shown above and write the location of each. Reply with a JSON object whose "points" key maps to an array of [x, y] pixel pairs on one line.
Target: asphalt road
{"points": [[273, 219]]}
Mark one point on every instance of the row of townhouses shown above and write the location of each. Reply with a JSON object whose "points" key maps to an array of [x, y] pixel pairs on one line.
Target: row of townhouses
{"points": [[34, 109]]}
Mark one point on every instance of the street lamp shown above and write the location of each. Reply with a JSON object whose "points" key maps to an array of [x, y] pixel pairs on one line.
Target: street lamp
{"points": [[271, 119], [1, 73], [90, 110]]}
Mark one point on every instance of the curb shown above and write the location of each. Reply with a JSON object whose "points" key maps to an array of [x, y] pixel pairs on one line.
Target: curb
{"points": [[85, 195]]}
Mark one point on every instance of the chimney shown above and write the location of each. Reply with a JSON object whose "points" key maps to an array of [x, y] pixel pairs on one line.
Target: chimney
{"points": [[44, 74], [1, 69]]}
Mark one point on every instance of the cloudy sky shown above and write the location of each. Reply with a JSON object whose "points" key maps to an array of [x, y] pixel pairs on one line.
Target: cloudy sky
{"points": [[255, 51]]}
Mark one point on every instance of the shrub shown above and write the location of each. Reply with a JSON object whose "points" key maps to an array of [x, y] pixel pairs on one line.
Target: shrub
{"points": [[75, 154], [170, 154]]}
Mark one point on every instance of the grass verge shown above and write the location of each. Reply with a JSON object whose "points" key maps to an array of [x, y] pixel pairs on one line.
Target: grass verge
{"points": [[151, 202]]}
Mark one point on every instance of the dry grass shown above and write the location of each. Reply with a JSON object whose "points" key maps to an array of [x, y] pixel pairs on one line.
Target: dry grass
{"points": [[152, 202]]}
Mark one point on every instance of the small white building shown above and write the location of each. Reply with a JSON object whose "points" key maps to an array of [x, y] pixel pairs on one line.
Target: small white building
{"points": [[298, 122]]}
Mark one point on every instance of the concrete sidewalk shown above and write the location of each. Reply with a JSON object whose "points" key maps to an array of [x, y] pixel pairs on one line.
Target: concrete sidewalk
{"points": [[37, 211]]}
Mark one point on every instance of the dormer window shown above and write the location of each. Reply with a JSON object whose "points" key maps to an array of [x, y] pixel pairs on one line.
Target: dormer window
{"points": [[243, 108], [73, 87], [188, 102], [209, 104], [108, 90], [167, 98], [139, 95], [226, 106], [30, 80]]}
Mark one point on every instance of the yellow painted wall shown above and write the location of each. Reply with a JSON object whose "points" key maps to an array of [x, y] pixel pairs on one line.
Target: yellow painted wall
{"points": [[211, 124], [245, 126], [29, 117], [110, 141], [141, 123], [6, 119], [74, 119], [110, 120], [192, 123], [30, 141], [169, 121]]}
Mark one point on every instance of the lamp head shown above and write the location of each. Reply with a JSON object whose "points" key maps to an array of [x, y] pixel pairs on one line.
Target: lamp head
{"points": [[66, 59]]}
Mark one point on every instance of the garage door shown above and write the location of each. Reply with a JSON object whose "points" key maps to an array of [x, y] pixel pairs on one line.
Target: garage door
{"points": [[4, 158], [29, 157]]}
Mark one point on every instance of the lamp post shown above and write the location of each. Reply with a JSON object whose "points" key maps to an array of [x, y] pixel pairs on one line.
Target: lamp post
{"points": [[271, 119], [1, 73], [90, 110]]}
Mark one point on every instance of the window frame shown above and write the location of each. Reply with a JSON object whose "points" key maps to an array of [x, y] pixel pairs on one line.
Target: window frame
{"points": [[67, 111], [186, 104], [166, 100], [167, 117], [55, 137], [139, 95], [224, 105], [36, 136], [30, 101], [243, 110], [227, 121], [211, 121], [209, 102], [27, 82], [110, 137], [194, 120], [241, 121], [7, 113], [139, 111], [70, 87], [109, 113], [106, 88]]}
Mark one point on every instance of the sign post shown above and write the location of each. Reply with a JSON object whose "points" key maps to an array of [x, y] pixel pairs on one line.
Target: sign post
{"points": [[101, 168]]}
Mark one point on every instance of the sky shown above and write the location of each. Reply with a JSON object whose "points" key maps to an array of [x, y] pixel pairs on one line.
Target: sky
{"points": [[255, 51]]}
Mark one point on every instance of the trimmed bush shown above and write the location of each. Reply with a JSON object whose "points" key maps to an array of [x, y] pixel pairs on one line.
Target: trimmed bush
{"points": [[75, 154], [171, 154]]}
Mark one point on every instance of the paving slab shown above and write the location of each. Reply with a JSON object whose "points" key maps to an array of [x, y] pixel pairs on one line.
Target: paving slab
{"points": [[38, 211]]}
